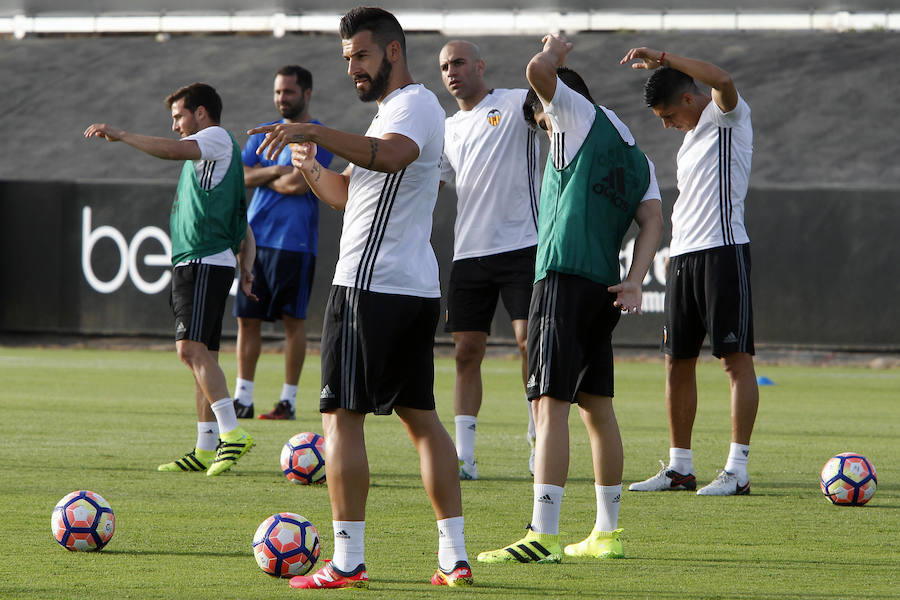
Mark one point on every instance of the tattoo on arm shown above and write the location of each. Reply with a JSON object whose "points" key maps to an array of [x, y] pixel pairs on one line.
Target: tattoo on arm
{"points": [[317, 171], [373, 147], [298, 138]]}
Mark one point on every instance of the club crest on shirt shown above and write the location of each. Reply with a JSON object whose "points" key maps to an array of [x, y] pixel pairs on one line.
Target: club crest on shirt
{"points": [[493, 117]]}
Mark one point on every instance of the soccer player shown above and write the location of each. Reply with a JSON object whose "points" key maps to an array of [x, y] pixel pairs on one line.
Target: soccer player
{"points": [[708, 279], [597, 181], [210, 237], [284, 216], [378, 334], [492, 155]]}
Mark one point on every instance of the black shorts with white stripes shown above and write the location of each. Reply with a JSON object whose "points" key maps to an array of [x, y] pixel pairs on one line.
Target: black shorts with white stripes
{"points": [[708, 293], [377, 351], [570, 327], [199, 294]]}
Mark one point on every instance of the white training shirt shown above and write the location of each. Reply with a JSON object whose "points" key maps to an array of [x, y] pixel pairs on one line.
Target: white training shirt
{"points": [[713, 177], [571, 117], [212, 166], [386, 236], [492, 155]]}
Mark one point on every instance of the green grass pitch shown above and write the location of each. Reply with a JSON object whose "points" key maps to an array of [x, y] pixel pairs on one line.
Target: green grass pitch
{"points": [[102, 420]]}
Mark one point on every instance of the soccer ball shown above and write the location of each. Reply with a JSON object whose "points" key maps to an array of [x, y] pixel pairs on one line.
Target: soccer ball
{"points": [[83, 521], [285, 545], [303, 458], [848, 479]]}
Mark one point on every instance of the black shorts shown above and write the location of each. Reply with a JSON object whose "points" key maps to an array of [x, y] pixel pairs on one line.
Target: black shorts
{"points": [[475, 284], [377, 351], [282, 280], [570, 328], [199, 293], [708, 292]]}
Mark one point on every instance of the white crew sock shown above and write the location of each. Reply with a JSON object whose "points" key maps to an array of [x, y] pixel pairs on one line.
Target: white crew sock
{"points": [[545, 514], [737, 461], [681, 460], [608, 497], [207, 435], [243, 391], [289, 393], [225, 415], [451, 543], [349, 545], [465, 437]]}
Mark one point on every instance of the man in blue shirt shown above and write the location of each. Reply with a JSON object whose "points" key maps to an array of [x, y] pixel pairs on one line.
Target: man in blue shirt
{"points": [[284, 217]]}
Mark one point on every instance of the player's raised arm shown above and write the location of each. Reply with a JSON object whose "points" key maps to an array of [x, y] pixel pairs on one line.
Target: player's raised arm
{"points": [[724, 92], [389, 154], [159, 147], [541, 70]]}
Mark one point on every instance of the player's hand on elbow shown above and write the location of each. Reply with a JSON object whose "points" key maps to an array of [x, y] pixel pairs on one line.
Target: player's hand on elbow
{"points": [[650, 59], [303, 155]]}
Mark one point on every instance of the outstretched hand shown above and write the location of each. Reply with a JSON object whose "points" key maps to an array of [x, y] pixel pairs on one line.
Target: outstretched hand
{"points": [[628, 297], [650, 59], [279, 136], [104, 131]]}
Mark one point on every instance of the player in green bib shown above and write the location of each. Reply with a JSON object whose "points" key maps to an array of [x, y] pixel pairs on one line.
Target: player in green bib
{"points": [[596, 183], [210, 238]]}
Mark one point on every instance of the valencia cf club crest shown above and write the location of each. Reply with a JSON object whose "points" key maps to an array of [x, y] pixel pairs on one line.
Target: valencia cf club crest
{"points": [[494, 117]]}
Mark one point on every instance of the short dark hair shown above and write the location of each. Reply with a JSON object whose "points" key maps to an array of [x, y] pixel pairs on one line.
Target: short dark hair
{"points": [[197, 95], [568, 77], [666, 85], [304, 77], [384, 26]]}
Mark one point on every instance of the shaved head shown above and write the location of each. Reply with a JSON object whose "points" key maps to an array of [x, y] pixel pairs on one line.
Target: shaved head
{"points": [[462, 70], [462, 47]]}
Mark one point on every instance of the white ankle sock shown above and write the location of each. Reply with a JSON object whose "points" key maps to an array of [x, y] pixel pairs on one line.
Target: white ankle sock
{"points": [[545, 513], [451, 542], [207, 435], [738, 455], [465, 437], [349, 544], [225, 415], [289, 393], [608, 497], [681, 460], [243, 391]]}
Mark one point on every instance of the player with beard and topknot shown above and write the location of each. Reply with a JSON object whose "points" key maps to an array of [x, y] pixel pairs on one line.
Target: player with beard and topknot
{"points": [[379, 325], [284, 216]]}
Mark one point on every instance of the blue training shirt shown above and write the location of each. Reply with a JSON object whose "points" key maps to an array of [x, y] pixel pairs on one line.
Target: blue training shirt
{"points": [[285, 222]]}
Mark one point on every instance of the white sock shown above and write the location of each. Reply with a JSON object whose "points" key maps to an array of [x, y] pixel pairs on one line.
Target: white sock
{"points": [[737, 461], [289, 393], [531, 431], [225, 415], [349, 545], [451, 543], [465, 437], [681, 460], [207, 435], [545, 514], [608, 497], [243, 391]]}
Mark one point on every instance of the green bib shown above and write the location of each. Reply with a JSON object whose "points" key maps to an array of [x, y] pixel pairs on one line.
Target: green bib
{"points": [[206, 222], [587, 207]]}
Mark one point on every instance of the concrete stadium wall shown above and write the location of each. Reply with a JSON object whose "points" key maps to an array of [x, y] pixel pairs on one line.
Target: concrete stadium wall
{"points": [[92, 258]]}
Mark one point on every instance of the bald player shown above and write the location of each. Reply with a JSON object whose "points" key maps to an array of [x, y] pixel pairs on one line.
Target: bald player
{"points": [[491, 155]]}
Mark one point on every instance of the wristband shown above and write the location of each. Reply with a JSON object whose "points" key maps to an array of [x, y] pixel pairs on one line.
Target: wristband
{"points": [[662, 57]]}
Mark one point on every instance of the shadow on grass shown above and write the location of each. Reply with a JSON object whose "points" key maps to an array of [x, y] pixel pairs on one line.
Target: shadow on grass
{"points": [[175, 553]]}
